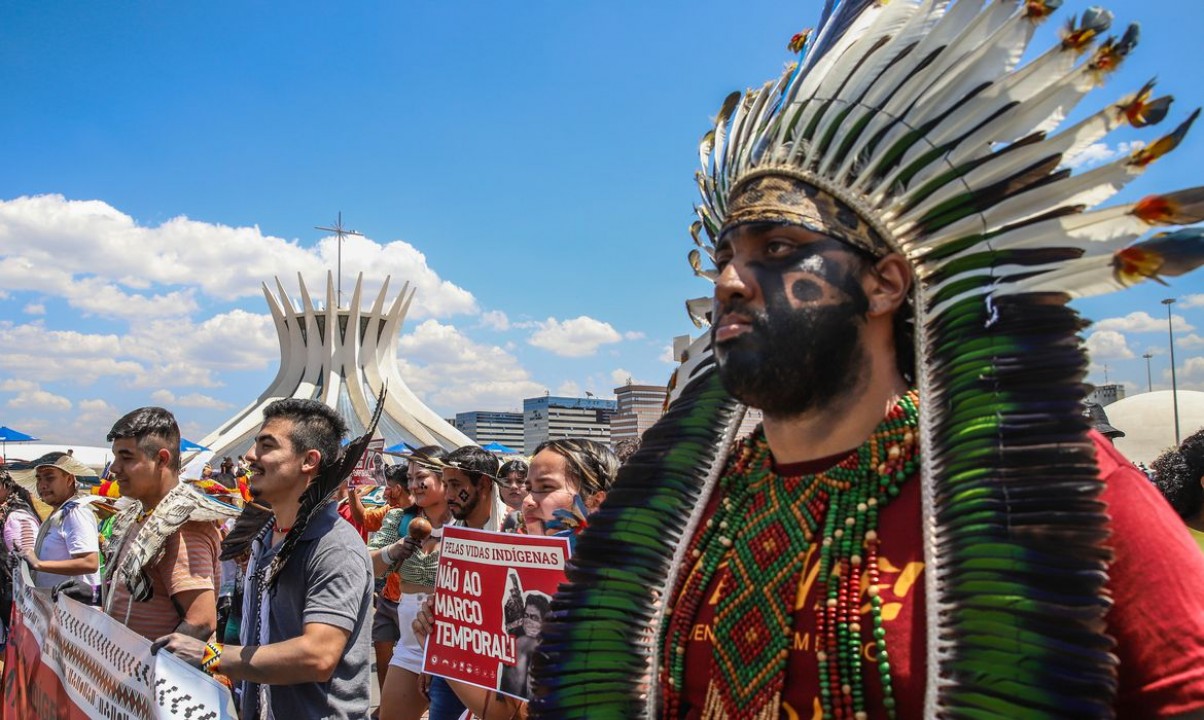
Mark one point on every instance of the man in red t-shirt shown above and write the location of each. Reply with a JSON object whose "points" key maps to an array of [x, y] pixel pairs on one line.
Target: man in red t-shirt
{"points": [[803, 590]]}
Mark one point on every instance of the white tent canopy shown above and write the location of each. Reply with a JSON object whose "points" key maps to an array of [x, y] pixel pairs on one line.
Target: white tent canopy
{"points": [[1148, 421], [95, 457]]}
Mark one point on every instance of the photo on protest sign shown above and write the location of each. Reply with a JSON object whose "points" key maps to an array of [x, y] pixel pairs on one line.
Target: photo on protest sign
{"points": [[492, 593], [370, 470]]}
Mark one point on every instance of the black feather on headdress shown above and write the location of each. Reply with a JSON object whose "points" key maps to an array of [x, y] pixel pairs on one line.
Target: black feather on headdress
{"points": [[249, 525]]}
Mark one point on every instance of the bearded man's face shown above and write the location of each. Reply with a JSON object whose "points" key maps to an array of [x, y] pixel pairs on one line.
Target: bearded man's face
{"points": [[789, 312]]}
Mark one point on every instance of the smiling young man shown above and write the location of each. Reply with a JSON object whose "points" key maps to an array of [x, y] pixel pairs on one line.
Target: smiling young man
{"points": [[163, 572], [305, 631], [67, 545]]}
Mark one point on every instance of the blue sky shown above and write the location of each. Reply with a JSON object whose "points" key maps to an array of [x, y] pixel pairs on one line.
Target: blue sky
{"points": [[528, 165]]}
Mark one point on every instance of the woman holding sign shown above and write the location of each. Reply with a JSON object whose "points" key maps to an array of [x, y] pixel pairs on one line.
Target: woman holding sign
{"points": [[416, 561], [567, 480]]}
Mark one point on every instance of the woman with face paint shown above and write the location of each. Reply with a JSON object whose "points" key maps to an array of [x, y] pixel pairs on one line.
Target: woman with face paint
{"points": [[567, 478]]}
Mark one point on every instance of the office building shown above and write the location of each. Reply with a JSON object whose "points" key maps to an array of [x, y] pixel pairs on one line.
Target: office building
{"points": [[639, 407], [485, 427], [551, 417]]}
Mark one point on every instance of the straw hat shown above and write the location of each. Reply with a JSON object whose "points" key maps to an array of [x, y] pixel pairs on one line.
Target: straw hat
{"points": [[26, 473]]}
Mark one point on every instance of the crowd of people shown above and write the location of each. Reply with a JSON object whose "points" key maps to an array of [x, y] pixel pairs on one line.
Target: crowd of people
{"points": [[923, 525], [293, 616]]}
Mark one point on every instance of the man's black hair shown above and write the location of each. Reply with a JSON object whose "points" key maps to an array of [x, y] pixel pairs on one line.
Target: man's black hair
{"points": [[154, 428], [316, 426], [513, 466], [398, 472], [1177, 475], [473, 461]]}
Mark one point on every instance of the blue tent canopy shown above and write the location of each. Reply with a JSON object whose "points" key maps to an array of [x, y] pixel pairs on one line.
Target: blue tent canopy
{"points": [[7, 434], [190, 446], [497, 447]]}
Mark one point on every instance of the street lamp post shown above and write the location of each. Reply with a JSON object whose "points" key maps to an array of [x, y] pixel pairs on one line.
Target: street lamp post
{"points": [[1170, 329], [1149, 379]]}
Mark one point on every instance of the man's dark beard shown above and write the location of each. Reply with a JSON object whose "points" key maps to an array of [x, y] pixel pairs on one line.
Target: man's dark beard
{"points": [[794, 359], [466, 509]]}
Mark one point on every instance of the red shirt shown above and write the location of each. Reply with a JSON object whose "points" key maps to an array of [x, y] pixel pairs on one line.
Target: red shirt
{"points": [[1160, 635], [344, 510]]}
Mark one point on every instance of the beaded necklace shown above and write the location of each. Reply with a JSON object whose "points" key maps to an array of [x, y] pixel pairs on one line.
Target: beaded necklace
{"points": [[762, 527]]}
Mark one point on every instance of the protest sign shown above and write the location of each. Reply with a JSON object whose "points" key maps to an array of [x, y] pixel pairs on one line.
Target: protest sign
{"points": [[68, 661], [370, 470], [491, 595]]}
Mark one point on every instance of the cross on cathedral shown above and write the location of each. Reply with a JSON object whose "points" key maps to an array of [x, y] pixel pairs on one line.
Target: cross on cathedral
{"points": [[339, 232]]}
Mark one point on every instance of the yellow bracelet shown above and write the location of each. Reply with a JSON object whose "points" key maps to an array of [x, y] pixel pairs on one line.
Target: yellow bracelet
{"points": [[212, 660]]}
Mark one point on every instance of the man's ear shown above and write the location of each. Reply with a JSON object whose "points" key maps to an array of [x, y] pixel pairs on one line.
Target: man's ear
{"points": [[887, 284], [311, 462], [163, 456]]}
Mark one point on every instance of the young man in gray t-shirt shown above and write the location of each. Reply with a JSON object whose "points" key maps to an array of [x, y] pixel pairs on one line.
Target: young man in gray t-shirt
{"points": [[306, 647]]}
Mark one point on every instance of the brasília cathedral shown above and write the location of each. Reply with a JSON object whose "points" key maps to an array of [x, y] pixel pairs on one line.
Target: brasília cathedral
{"points": [[342, 356]]}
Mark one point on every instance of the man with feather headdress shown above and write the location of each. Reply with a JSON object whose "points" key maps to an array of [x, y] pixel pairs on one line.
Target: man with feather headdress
{"points": [[306, 648], [924, 525]]}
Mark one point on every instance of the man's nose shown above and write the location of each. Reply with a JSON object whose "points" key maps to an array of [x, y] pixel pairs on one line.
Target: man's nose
{"points": [[733, 281]]}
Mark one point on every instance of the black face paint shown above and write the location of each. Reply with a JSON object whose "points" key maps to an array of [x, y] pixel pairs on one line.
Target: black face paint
{"points": [[806, 290], [795, 358], [468, 503]]}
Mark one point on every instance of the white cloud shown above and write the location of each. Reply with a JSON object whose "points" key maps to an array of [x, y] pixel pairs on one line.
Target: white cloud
{"points": [[1100, 153], [191, 400], [37, 399], [154, 354], [34, 309], [96, 405], [1190, 376], [1142, 321], [621, 377], [93, 256], [453, 373], [1191, 301], [667, 356], [1108, 345], [578, 337], [495, 320], [18, 385], [1190, 340], [568, 388], [633, 335]]}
